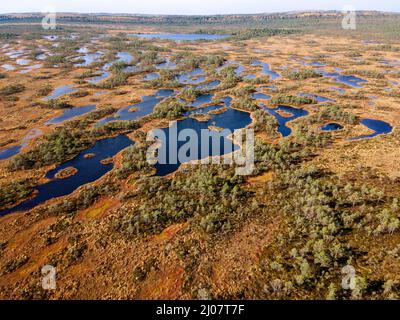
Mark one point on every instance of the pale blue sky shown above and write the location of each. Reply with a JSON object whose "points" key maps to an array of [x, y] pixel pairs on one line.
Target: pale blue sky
{"points": [[193, 6]]}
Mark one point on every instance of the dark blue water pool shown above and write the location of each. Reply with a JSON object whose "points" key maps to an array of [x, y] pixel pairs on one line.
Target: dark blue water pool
{"points": [[202, 99], [9, 152], [239, 70], [203, 110], [316, 97], [195, 76], [231, 119], [209, 85], [249, 76], [144, 108], [14, 150], [332, 127], [167, 64], [88, 58], [60, 91], [151, 76], [351, 81], [294, 113], [124, 57], [100, 77], [266, 70], [260, 96], [380, 127], [89, 170], [71, 113]]}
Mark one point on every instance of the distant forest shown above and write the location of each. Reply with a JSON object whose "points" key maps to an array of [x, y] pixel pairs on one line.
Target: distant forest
{"points": [[325, 22]]}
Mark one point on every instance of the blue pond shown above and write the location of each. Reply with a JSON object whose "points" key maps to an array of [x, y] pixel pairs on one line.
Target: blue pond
{"points": [[209, 86], [151, 76], [249, 77], [203, 110], [316, 97], [60, 91], [179, 36], [12, 151], [315, 64], [231, 119], [167, 64], [380, 127], [71, 113], [239, 70], [8, 67], [294, 114], [192, 77], [23, 62], [202, 99], [129, 69], [124, 57], [351, 81], [88, 59], [100, 77], [144, 108], [9, 152], [332, 127], [260, 96], [266, 70], [89, 170]]}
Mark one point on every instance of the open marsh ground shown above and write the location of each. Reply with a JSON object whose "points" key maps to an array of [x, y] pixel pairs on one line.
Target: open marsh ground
{"points": [[77, 193]]}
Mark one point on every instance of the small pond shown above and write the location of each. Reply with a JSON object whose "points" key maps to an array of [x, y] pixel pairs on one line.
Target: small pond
{"points": [[71, 113], [60, 91], [89, 169], [379, 127]]}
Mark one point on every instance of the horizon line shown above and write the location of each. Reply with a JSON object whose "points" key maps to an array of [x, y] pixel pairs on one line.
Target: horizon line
{"points": [[195, 14]]}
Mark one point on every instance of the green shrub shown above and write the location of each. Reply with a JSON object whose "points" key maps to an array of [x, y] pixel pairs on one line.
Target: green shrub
{"points": [[79, 94], [44, 90], [245, 34], [189, 94], [287, 99], [366, 73], [170, 108], [15, 191], [245, 103], [265, 122], [118, 79], [12, 89], [57, 104], [211, 196], [302, 74], [57, 147]]}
